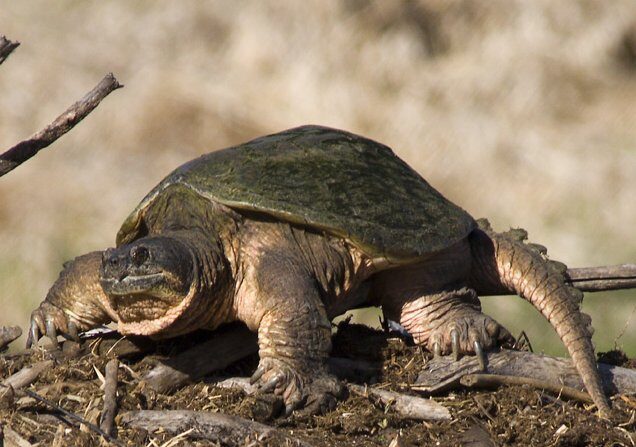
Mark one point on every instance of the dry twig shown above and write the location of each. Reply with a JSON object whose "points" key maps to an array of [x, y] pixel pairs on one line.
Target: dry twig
{"points": [[110, 397], [6, 47], [26, 149], [609, 277], [74, 417]]}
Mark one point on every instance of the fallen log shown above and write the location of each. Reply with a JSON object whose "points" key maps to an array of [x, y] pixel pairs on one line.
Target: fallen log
{"points": [[214, 427], [442, 373], [226, 347]]}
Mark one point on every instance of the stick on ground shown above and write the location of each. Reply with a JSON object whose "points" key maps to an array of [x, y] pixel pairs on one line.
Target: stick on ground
{"points": [[26, 149], [26, 376], [411, 407], [107, 423]]}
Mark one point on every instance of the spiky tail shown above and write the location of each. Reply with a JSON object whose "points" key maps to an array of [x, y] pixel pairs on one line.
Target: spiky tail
{"points": [[502, 259]]}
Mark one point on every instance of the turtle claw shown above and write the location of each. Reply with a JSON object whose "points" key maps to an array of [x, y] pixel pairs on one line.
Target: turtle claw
{"points": [[437, 349], [316, 393], [73, 332], [51, 333], [468, 332], [455, 344], [50, 321], [257, 375]]}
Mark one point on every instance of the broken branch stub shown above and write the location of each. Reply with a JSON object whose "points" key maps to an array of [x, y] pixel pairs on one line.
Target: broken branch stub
{"points": [[26, 149], [6, 47]]}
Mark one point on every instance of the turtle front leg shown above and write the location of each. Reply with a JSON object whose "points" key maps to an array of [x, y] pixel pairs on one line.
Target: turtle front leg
{"points": [[451, 322], [75, 302], [294, 336]]}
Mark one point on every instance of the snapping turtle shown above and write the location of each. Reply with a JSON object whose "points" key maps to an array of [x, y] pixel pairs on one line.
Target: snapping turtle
{"points": [[289, 230]]}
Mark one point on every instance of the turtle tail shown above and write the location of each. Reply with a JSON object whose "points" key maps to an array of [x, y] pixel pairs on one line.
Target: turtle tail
{"points": [[503, 260]]}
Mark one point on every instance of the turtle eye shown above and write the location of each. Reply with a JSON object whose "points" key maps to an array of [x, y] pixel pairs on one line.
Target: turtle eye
{"points": [[139, 255]]}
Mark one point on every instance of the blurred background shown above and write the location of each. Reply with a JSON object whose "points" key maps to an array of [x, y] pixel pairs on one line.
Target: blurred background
{"points": [[520, 111]]}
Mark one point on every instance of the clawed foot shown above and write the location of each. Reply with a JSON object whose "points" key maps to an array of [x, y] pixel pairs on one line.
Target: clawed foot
{"points": [[316, 392], [51, 321], [469, 333]]}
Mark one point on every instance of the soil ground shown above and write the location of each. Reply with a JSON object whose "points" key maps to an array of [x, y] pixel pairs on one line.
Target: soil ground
{"points": [[515, 416]]}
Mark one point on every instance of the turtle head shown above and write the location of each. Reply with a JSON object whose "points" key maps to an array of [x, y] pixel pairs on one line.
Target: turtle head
{"points": [[147, 283]]}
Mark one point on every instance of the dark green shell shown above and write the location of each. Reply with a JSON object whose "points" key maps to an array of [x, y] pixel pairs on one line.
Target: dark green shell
{"points": [[327, 179]]}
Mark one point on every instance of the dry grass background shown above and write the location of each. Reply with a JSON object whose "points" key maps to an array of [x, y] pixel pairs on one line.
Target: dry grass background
{"points": [[521, 111]]}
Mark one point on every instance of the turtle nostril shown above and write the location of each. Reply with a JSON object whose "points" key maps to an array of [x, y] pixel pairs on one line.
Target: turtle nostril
{"points": [[139, 255]]}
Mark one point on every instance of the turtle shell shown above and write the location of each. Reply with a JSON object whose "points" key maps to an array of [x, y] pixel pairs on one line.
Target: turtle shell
{"points": [[329, 180]]}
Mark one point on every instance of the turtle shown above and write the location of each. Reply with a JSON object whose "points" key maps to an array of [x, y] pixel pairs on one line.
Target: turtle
{"points": [[289, 230]]}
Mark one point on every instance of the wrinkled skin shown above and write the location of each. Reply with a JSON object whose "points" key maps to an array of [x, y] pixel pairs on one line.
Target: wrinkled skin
{"points": [[185, 261], [286, 283]]}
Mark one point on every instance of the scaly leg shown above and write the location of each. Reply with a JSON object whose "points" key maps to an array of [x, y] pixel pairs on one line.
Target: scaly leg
{"points": [[75, 302], [450, 321], [294, 336]]}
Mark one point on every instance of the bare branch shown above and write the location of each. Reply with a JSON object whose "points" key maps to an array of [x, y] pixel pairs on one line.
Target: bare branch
{"points": [[6, 47], [26, 149], [609, 277], [595, 279]]}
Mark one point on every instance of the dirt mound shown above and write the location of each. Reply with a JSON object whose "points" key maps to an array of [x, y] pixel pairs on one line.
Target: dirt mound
{"points": [[507, 416]]}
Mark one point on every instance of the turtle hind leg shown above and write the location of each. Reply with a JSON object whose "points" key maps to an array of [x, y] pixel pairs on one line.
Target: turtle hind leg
{"points": [[503, 260], [449, 322]]}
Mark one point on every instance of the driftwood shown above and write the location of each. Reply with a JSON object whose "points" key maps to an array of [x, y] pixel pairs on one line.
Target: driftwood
{"points": [[227, 346], [407, 406], [412, 407], [8, 334], [26, 376], [214, 427], [26, 149], [443, 373], [6, 47], [107, 422], [482, 381]]}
